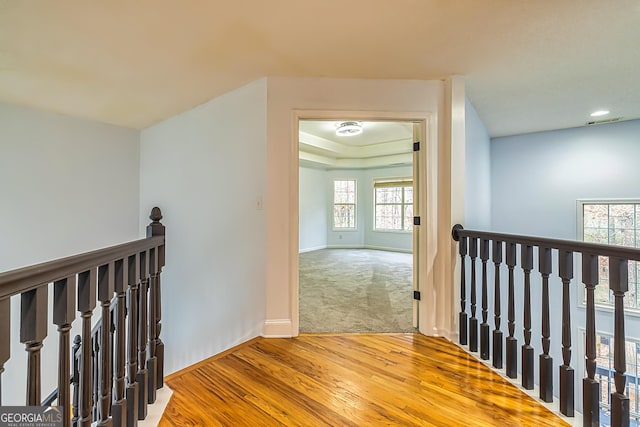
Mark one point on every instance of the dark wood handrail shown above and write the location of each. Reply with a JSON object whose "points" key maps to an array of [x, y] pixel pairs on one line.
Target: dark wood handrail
{"points": [[631, 254], [563, 251], [125, 281], [21, 280]]}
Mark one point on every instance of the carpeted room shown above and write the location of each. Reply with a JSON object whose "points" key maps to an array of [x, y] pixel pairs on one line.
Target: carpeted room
{"points": [[355, 290], [356, 227]]}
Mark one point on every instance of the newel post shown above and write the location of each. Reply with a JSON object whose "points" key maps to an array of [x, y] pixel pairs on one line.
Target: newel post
{"points": [[156, 345]]}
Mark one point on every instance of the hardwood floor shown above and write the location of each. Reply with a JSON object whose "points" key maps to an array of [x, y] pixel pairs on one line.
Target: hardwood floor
{"points": [[348, 380]]}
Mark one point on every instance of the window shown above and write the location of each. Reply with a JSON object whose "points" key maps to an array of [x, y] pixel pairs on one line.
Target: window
{"points": [[605, 372], [612, 223], [344, 204], [393, 205]]}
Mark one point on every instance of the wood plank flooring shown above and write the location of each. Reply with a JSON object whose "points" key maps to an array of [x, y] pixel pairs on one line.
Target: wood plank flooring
{"points": [[348, 380]]}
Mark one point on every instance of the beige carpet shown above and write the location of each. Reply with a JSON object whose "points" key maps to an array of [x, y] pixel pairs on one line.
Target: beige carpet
{"points": [[355, 290]]}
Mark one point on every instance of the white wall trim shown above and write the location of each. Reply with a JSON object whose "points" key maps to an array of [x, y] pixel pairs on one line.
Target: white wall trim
{"points": [[315, 248], [278, 328], [383, 248], [451, 204], [377, 248], [345, 246]]}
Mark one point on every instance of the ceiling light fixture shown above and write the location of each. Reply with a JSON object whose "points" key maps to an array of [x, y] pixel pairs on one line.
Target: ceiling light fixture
{"points": [[348, 128], [599, 113]]}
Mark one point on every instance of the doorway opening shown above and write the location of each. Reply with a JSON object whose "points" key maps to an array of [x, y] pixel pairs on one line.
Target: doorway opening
{"points": [[358, 245]]}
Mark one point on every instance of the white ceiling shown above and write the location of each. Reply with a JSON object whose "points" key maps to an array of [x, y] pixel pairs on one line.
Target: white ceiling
{"points": [[530, 64], [372, 132], [380, 144]]}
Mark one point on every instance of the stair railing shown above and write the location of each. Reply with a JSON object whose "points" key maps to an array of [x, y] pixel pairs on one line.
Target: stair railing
{"points": [[504, 247], [98, 379]]}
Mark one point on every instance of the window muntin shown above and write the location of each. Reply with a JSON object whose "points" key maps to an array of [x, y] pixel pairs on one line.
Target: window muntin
{"points": [[613, 223], [393, 205], [344, 204]]}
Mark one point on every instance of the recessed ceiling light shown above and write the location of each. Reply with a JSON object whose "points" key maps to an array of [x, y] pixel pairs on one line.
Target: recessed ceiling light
{"points": [[599, 113], [348, 128]]}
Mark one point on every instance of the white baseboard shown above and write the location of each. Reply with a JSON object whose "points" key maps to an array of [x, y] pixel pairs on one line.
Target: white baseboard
{"points": [[278, 328], [156, 410], [377, 248], [315, 248], [383, 248]]}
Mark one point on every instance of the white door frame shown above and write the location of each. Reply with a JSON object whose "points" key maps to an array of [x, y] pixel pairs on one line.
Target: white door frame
{"points": [[426, 232]]}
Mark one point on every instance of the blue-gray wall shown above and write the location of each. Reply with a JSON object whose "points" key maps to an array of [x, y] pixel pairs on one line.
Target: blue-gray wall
{"points": [[477, 190], [313, 209], [68, 185], [536, 178]]}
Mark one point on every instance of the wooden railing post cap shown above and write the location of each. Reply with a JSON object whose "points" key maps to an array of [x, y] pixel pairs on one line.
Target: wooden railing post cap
{"points": [[454, 231], [155, 228], [156, 214]]}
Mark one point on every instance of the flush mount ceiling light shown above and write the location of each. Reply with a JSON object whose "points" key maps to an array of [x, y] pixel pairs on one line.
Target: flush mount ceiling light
{"points": [[348, 128], [599, 113]]}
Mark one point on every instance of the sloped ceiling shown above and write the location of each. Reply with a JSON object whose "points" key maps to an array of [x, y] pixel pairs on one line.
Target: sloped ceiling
{"points": [[530, 64]]}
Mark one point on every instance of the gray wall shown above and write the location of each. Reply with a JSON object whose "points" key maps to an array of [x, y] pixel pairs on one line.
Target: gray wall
{"points": [[68, 186]]}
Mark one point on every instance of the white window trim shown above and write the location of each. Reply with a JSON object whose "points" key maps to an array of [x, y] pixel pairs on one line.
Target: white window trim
{"points": [[355, 205], [581, 294], [388, 179]]}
